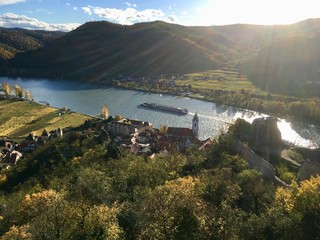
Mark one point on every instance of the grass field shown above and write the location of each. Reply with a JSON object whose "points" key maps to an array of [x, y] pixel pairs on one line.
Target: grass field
{"points": [[19, 118], [228, 80]]}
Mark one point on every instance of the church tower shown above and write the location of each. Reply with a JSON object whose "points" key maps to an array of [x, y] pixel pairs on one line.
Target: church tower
{"points": [[195, 125]]}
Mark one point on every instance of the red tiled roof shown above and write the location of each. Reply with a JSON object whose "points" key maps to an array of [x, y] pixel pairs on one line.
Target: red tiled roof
{"points": [[181, 132]]}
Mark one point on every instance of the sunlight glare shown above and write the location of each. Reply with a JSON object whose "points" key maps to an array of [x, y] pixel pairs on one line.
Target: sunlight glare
{"points": [[255, 12], [288, 134]]}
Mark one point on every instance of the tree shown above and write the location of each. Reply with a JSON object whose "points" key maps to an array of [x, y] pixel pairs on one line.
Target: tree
{"points": [[302, 199], [17, 233], [255, 193], [114, 151], [118, 117], [218, 187], [187, 224], [27, 95], [163, 129], [18, 91], [6, 88], [104, 112], [48, 215], [101, 223], [171, 210]]}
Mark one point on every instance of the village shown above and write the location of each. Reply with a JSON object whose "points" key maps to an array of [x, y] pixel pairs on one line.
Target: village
{"points": [[138, 136], [11, 152], [142, 138]]}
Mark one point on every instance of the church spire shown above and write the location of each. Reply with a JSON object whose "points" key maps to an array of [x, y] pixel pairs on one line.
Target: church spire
{"points": [[195, 125]]}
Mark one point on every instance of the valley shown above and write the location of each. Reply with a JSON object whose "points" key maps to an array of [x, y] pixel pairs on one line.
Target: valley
{"points": [[221, 169]]}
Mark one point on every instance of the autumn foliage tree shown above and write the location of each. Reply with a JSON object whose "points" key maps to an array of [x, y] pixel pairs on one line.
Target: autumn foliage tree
{"points": [[18, 91], [303, 200], [27, 95], [6, 88], [48, 215], [104, 112], [163, 129], [210, 194], [171, 211], [17, 233]]}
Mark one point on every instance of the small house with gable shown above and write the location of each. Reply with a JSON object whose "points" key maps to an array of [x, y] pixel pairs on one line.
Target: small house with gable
{"points": [[56, 133], [10, 159], [45, 135]]}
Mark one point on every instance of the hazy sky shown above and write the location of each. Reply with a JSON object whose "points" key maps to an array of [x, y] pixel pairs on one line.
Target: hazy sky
{"points": [[67, 14]]}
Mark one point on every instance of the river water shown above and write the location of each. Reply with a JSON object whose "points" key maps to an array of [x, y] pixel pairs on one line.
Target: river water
{"points": [[213, 119]]}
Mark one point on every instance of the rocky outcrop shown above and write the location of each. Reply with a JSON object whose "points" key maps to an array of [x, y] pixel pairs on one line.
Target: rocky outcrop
{"points": [[266, 137]]}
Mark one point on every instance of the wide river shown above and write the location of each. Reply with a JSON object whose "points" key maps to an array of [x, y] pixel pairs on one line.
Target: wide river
{"points": [[213, 119]]}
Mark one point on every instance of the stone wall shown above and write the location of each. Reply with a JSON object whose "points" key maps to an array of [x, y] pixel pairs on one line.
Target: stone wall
{"points": [[122, 129], [308, 169], [255, 161]]}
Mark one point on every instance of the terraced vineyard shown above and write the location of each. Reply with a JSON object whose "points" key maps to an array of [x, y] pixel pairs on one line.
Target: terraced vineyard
{"points": [[19, 118], [229, 80]]}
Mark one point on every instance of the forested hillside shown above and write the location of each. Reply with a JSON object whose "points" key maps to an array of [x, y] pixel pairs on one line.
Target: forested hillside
{"points": [[290, 66], [85, 186], [279, 58], [97, 51], [17, 40]]}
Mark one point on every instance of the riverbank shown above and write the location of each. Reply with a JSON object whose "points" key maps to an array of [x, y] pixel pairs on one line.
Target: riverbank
{"points": [[289, 108], [18, 118], [88, 97], [224, 88]]}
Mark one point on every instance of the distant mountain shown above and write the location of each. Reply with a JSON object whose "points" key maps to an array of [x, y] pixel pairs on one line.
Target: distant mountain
{"points": [[17, 40], [97, 51]]}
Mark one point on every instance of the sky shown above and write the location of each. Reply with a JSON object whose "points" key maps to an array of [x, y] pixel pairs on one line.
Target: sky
{"points": [[66, 15]]}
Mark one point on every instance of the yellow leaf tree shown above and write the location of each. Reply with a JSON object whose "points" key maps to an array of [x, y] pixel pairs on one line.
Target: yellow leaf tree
{"points": [[27, 95], [6, 88], [18, 91], [104, 112], [303, 199]]}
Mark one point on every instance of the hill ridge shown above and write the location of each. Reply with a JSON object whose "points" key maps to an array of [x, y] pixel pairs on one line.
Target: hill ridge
{"points": [[100, 51]]}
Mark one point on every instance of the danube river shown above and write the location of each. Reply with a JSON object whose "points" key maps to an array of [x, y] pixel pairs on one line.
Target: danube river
{"points": [[213, 119]]}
